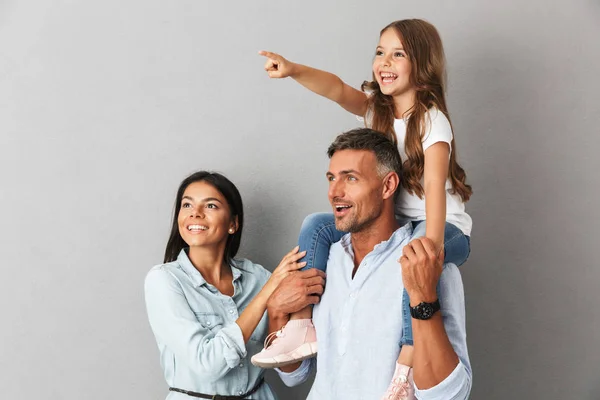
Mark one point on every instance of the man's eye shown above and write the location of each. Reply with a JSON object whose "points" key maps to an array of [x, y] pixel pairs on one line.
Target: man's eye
{"points": [[351, 178]]}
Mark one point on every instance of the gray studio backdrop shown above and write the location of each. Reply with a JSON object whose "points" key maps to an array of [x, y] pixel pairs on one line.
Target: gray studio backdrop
{"points": [[106, 105]]}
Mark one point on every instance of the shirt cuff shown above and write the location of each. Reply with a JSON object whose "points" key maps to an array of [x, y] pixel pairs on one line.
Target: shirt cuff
{"points": [[235, 347], [295, 377], [456, 386]]}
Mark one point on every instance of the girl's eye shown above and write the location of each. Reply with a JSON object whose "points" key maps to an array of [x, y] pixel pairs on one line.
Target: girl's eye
{"points": [[186, 205], [378, 52], [211, 205], [398, 54]]}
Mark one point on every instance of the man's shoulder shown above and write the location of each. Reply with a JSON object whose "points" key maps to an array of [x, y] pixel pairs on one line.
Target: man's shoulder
{"points": [[450, 272], [450, 286]]}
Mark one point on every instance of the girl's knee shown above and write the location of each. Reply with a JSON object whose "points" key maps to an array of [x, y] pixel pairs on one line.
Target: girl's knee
{"points": [[317, 220]]}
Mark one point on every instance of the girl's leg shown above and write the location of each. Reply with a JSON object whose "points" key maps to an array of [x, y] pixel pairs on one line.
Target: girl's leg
{"points": [[317, 234], [298, 340], [457, 246]]}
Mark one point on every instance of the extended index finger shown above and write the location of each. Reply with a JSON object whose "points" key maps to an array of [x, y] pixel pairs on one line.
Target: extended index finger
{"points": [[269, 54]]}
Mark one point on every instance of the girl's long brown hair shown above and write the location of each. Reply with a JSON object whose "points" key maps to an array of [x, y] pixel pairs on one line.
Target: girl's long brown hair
{"points": [[424, 49]]}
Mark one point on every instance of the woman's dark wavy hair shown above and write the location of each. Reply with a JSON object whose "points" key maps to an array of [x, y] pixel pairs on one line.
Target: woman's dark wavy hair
{"points": [[234, 200]]}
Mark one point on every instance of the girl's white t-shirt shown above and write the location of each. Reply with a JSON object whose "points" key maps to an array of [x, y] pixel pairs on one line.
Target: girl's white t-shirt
{"points": [[410, 207]]}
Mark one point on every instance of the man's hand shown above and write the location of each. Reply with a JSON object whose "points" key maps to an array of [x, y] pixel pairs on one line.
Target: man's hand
{"points": [[296, 291], [421, 270]]}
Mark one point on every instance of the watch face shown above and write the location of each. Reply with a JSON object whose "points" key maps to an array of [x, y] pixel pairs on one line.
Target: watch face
{"points": [[426, 310]]}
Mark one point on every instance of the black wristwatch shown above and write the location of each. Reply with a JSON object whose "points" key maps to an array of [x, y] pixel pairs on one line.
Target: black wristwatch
{"points": [[425, 310]]}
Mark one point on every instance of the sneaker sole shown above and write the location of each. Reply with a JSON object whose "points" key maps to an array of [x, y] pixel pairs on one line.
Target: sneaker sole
{"points": [[307, 350]]}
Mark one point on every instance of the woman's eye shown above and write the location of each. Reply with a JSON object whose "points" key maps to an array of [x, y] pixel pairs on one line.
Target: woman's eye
{"points": [[186, 205], [211, 205]]}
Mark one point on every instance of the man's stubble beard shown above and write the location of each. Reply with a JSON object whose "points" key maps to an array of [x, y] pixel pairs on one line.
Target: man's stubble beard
{"points": [[353, 225]]}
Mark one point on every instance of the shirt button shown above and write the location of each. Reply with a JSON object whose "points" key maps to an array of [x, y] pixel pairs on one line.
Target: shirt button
{"points": [[208, 323], [241, 365], [230, 311], [240, 393], [353, 295]]}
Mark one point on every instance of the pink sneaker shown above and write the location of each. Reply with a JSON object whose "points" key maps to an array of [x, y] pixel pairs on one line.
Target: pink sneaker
{"points": [[401, 386], [296, 341]]}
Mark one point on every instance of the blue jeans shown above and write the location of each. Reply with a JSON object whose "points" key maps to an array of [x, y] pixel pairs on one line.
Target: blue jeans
{"points": [[318, 233]]}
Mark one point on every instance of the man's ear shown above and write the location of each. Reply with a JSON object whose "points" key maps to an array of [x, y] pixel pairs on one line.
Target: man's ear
{"points": [[391, 183]]}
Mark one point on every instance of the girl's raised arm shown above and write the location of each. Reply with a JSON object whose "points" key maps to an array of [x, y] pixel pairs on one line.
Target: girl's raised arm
{"points": [[320, 82]]}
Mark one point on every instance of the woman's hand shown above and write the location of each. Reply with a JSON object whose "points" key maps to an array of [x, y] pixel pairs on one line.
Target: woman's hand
{"points": [[277, 66], [289, 264]]}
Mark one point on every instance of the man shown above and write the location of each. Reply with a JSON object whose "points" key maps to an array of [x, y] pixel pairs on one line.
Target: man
{"points": [[358, 320]]}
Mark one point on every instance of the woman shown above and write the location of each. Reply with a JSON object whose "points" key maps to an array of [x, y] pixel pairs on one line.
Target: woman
{"points": [[207, 309]]}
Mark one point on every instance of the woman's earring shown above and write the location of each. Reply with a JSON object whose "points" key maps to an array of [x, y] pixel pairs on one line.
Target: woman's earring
{"points": [[231, 231]]}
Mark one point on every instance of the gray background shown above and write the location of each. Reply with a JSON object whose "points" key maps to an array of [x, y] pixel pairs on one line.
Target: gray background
{"points": [[106, 105]]}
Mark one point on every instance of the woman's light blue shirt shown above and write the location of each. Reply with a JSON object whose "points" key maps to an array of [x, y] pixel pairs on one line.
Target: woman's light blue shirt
{"points": [[201, 347]]}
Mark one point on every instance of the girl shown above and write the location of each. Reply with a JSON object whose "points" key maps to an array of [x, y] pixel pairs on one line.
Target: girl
{"points": [[406, 101], [205, 307]]}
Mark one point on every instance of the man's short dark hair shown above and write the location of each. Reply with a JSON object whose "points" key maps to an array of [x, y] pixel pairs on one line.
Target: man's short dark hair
{"points": [[386, 152]]}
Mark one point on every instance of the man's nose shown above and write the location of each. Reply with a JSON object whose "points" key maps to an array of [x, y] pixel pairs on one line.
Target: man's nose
{"points": [[336, 189]]}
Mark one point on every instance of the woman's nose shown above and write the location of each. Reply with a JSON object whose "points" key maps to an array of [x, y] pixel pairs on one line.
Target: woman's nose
{"points": [[197, 213]]}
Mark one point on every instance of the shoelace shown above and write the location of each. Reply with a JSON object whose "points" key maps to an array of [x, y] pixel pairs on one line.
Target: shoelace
{"points": [[274, 336], [399, 389]]}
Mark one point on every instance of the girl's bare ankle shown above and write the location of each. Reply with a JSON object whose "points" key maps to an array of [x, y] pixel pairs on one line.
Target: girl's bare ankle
{"points": [[406, 356]]}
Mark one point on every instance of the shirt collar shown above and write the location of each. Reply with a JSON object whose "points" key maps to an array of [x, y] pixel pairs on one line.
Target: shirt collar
{"points": [[195, 276], [400, 235]]}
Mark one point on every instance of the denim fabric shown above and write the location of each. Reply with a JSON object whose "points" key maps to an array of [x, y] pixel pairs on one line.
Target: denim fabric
{"points": [[201, 346], [317, 234]]}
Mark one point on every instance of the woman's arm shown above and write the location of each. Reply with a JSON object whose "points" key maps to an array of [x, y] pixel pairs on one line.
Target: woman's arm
{"points": [[320, 82], [253, 313], [208, 351]]}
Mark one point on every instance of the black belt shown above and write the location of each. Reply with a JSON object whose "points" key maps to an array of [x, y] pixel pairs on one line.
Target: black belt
{"points": [[218, 396]]}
